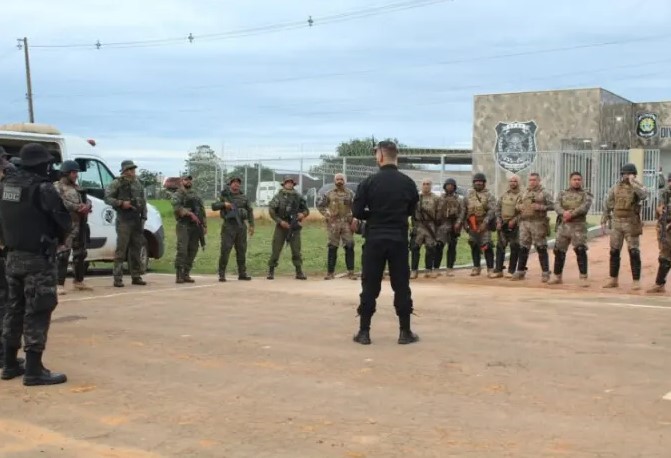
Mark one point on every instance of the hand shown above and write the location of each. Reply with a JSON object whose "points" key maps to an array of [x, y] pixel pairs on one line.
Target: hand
{"points": [[284, 225], [499, 225], [228, 206], [511, 224], [251, 231], [567, 216], [83, 208], [126, 205], [354, 225], [457, 228], [300, 216], [194, 218]]}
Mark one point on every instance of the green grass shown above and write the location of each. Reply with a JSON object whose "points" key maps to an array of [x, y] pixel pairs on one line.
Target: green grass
{"points": [[258, 251]]}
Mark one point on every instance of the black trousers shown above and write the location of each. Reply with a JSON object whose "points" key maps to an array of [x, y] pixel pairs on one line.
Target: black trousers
{"points": [[376, 255]]}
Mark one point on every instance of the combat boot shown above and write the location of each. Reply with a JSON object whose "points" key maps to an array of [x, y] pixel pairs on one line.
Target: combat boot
{"points": [[37, 374], [556, 280], [138, 281], [428, 273], [406, 336], [496, 274], [656, 289], [434, 273], [351, 275], [611, 283], [12, 366], [362, 337], [329, 276], [508, 274], [179, 275], [300, 275], [545, 277], [583, 282], [244, 277], [60, 289], [519, 275], [662, 272], [475, 271], [414, 274], [636, 285], [490, 272], [187, 277], [614, 269], [118, 283], [81, 286], [449, 272], [222, 278], [271, 273]]}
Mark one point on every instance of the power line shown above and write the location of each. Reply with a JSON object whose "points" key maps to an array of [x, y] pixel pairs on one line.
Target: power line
{"points": [[258, 30]]}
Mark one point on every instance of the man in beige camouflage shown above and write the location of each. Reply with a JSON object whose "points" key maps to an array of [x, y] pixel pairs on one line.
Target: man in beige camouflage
{"points": [[622, 211], [424, 231], [480, 220], [663, 238], [507, 227], [75, 243], [450, 219], [336, 207], [572, 207], [533, 207]]}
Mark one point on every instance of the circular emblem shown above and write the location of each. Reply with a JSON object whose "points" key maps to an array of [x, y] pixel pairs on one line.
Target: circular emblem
{"points": [[646, 125], [108, 215]]}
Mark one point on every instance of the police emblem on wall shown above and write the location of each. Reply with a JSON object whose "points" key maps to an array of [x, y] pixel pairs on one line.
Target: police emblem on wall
{"points": [[646, 125], [515, 145]]}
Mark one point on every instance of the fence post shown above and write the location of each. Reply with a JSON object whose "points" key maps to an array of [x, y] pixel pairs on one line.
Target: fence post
{"points": [[442, 169], [258, 181], [300, 177], [344, 167], [246, 167]]}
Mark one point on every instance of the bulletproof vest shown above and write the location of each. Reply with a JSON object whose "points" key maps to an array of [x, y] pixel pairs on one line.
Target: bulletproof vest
{"points": [[571, 200], [477, 203], [126, 193], [508, 202], [624, 201], [288, 204], [191, 202], [426, 209], [530, 198], [23, 222], [450, 205], [340, 203]]}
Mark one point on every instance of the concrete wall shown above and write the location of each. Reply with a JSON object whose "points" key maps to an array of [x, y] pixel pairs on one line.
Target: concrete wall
{"points": [[616, 119]]}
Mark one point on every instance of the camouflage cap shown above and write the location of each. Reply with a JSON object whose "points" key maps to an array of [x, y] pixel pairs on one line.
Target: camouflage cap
{"points": [[288, 178], [127, 165], [235, 178]]}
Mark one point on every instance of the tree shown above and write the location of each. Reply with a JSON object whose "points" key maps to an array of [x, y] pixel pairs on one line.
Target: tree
{"points": [[202, 165], [361, 147], [149, 182], [252, 183]]}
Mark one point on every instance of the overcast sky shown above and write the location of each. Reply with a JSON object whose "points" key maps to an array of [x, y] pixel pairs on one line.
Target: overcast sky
{"points": [[408, 74]]}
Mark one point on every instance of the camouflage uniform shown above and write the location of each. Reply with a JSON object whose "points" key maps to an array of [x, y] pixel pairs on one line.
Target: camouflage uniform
{"points": [[507, 214], [283, 207], [336, 206], [186, 201], [234, 231], [578, 202], [424, 233], [622, 209], [663, 239], [534, 229], [129, 224], [480, 213], [76, 240], [450, 218]]}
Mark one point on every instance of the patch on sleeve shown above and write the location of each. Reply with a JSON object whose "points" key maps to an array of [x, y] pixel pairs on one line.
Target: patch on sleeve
{"points": [[11, 194]]}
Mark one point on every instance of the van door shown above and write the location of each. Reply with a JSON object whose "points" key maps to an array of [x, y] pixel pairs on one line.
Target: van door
{"points": [[94, 177]]}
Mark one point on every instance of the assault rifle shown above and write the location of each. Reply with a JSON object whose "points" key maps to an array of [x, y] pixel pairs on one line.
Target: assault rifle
{"points": [[196, 210], [294, 224], [234, 212]]}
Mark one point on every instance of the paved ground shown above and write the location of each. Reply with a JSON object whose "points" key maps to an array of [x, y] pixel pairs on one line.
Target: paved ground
{"points": [[268, 369]]}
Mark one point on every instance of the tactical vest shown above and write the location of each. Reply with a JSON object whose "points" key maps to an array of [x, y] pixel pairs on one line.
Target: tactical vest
{"points": [[572, 200], [340, 204], [426, 208], [23, 221], [624, 201], [126, 194], [477, 204], [508, 202], [288, 204], [528, 200], [192, 203], [450, 206]]}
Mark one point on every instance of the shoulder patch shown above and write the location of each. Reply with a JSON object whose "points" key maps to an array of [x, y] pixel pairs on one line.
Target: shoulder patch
{"points": [[11, 193]]}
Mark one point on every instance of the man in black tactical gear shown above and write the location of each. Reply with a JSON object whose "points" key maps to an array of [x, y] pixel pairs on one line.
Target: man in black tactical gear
{"points": [[28, 195], [385, 201]]}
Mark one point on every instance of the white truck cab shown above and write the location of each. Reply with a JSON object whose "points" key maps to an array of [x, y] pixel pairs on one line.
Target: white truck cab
{"points": [[94, 177]]}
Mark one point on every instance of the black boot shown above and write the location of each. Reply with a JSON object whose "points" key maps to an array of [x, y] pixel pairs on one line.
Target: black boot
{"points": [[514, 257], [349, 258], [489, 256], [271, 273], [523, 259], [138, 281], [37, 374], [560, 260], [62, 259], [429, 256], [543, 258], [475, 255], [635, 261], [243, 277], [438, 255], [179, 275], [12, 366], [363, 336], [500, 257], [414, 258], [300, 275], [78, 268], [451, 254], [331, 258], [187, 277], [662, 271], [118, 275], [406, 336], [581, 257], [614, 263]]}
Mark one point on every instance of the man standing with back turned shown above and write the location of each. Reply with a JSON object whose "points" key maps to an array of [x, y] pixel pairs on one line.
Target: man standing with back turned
{"points": [[126, 195], [385, 201]]}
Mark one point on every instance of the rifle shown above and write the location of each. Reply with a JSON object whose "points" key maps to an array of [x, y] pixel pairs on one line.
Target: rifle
{"points": [[233, 213], [195, 209], [84, 232], [294, 224]]}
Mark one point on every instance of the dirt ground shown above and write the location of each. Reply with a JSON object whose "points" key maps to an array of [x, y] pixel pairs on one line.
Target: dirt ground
{"points": [[268, 369]]}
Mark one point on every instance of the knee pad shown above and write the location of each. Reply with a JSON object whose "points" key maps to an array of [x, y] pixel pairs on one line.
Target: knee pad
{"points": [[634, 252], [615, 253], [542, 249], [332, 247], [349, 245], [557, 252], [580, 249], [472, 244]]}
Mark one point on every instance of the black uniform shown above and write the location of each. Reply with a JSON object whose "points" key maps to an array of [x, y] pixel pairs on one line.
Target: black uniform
{"points": [[28, 195], [385, 201]]}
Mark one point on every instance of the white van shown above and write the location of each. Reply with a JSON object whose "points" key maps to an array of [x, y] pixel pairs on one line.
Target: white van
{"points": [[265, 191], [94, 177]]}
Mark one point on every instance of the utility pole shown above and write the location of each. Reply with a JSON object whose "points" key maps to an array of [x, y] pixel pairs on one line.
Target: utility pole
{"points": [[23, 43]]}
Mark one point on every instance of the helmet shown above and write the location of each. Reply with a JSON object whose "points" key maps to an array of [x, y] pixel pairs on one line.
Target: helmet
{"points": [[450, 181], [34, 154], [288, 178], [628, 168], [69, 166], [479, 177], [234, 178]]}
